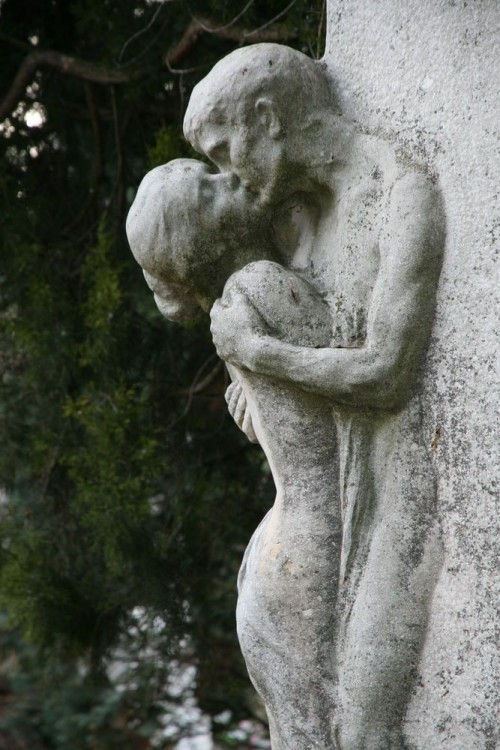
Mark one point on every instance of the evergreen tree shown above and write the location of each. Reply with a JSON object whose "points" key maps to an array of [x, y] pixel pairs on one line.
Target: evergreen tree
{"points": [[129, 493]]}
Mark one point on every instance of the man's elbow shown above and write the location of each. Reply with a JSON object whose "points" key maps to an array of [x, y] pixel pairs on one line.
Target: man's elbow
{"points": [[385, 383]]}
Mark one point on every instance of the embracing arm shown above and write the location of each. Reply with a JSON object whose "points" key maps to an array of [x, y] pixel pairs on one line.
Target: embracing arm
{"points": [[400, 317]]}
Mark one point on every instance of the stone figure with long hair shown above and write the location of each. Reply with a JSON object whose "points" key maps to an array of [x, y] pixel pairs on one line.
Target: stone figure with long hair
{"points": [[283, 621]]}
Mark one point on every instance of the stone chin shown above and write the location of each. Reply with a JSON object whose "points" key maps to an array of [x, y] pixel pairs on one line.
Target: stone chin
{"points": [[178, 312]]}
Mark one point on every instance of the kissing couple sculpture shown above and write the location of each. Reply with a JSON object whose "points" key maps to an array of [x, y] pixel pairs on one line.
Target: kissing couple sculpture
{"points": [[317, 252]]}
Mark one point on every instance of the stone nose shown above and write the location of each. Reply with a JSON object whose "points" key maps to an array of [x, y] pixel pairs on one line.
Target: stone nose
{"points": [[230, 179]]}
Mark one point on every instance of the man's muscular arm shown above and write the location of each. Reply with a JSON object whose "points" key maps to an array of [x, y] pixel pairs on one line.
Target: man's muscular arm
{"points": [[400, 317]]}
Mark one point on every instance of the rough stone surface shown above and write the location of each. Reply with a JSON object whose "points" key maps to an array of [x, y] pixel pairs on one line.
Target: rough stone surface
{"points": [[426, 74]]}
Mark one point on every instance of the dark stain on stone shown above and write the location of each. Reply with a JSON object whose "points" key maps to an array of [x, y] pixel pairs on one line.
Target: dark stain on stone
{"points": [[436, 439]]}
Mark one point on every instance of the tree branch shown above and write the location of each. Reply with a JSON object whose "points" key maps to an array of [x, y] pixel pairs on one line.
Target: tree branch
{"points": [[88, 71], [201, 26], [198, 387], [26, 46], [188, 41], [64, 64]]}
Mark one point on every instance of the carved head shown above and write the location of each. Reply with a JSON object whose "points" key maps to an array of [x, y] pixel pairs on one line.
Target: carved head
{"points": [[252, 112], [189, 228]]}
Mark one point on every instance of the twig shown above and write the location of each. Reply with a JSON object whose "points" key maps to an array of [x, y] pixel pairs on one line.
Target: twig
{"points": [[199, 27], [145, 49], [116, 130], [141, 32], [187, 42], [226, 25], [202, 385], [88, 71], [91, 106], [198, 386], [92, 192], [182, 71], [181, 99], [320, 28], [273, 20], [26, 46]]}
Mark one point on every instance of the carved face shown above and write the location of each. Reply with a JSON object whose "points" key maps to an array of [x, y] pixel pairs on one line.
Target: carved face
{"points": [[175, 301], [222, 200], [189, 228], [245, 148]]}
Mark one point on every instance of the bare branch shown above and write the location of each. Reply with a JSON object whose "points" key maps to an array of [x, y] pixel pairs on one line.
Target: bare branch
{"points": [[273, 20], [198, 386], [272, 34], [321, 29], [201, 26], [88, 71], [26, 46], [230, 23], [141, 32], [64, 64], [187, 42]]}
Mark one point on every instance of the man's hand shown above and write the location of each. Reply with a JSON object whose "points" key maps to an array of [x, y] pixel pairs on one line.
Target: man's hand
{"points": [[238, 409], [236, 329]]}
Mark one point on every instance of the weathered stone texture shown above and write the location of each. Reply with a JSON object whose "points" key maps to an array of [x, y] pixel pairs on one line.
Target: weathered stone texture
{"points": [[427, 73]]}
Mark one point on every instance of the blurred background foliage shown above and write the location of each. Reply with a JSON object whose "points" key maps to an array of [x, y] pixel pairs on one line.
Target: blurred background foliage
{"points": [[127, 494]]}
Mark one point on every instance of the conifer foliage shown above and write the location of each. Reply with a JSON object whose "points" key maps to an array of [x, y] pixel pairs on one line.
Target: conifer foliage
{"points": [[127, 495]]}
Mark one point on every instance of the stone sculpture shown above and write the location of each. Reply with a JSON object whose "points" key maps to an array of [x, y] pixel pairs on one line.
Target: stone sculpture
{"points": [[317, 248]]}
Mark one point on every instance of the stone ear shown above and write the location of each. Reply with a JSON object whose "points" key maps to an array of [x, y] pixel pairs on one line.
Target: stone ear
{"points": [[267, 116]]}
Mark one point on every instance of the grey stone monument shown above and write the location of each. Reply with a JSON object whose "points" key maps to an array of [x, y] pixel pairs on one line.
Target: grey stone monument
{"points": [[343, 244]]}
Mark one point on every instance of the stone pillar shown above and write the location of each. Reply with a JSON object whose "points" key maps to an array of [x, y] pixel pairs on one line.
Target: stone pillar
{"points": [[425, 74]]}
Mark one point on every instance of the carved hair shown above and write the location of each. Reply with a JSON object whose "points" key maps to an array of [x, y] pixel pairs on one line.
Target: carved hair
{"points": [[290, 78], [163, 222], [175, 238]]}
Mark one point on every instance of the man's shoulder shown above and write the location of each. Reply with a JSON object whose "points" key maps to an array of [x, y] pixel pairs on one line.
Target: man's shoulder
{"points": [[416, 223], [416, 181], [416, 192], [393, 169]]}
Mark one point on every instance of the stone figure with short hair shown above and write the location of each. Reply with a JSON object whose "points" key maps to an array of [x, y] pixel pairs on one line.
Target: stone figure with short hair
{"points": [[324, 337]]}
